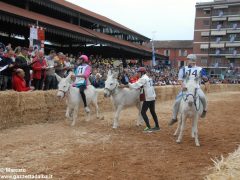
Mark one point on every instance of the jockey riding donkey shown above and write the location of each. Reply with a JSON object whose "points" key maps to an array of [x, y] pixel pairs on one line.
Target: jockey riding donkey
{"points": [[82, 73], [192, 72]]}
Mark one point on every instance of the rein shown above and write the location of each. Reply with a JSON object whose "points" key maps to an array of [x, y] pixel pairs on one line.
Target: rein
{"points": [[65, 92], [112, 92], [194, 97]]}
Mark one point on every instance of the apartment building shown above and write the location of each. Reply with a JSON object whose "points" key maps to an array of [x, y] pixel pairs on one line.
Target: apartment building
{"points": [[217, 34]]}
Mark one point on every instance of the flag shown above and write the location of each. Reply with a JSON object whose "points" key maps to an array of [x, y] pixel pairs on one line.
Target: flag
{"points": [[41, 34], [33, 33], [153, 55]]}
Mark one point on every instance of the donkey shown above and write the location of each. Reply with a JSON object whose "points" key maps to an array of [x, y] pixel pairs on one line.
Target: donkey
{"points": [[190, 107], [74, 100], [121, 97]]}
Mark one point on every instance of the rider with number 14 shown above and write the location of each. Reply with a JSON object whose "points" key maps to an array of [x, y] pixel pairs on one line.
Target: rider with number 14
{"points": [[192, 72]]}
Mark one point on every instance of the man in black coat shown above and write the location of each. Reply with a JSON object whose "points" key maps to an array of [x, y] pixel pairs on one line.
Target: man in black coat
{"points": [[23, 62], [6, 62]]}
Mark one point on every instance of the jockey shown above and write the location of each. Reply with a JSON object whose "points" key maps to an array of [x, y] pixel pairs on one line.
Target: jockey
{"points": [[146, 83], [82, 73], [192, 71]]}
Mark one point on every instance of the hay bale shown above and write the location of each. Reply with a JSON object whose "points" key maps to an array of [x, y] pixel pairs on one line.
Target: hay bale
{"points": [[55, 107], [32, 101], [226, 168]]}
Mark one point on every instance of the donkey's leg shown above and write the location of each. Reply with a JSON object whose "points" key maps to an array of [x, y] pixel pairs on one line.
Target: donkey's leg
{"points": [[193, 130], [178, 127], [116, 118], [183, 119], [195, 126], [95, 102], [140, 118], [68, 113], [75, 115]]}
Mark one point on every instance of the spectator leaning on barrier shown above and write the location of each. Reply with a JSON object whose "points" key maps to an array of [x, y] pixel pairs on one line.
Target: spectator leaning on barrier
{"points": [[18, 81], [39, 70], [59, 60], [23, 62], [50, 81], [2, 49], [98, 81], [7, 63], [125, 77]]}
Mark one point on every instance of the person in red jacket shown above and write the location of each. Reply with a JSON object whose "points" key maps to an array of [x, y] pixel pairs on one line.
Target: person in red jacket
{"points": [[39, 70], [18, 82]]}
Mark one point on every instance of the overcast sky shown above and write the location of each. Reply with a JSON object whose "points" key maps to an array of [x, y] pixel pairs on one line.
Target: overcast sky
{"points": [[170, 19]]}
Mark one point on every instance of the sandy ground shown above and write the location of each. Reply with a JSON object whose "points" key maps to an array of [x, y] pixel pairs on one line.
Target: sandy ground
{"points": [[93, 150]]}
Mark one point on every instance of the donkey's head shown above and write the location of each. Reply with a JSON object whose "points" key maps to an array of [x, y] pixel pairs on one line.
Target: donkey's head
{"points": [[111, 83], [63, 85], [190, 92]]}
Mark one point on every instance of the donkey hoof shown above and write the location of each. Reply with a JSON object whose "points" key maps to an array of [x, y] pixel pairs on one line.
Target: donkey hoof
{"points": [[73, 124], [174, 135], [178, 141], [197, 144], [115, 127]]}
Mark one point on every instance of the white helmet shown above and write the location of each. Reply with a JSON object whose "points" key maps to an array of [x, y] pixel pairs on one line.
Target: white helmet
{"points": [[192, 57]]}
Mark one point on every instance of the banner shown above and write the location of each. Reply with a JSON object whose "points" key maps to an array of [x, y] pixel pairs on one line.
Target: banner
{"points": [[153, 55], [37, 37], [33, 33], [41, 34]]}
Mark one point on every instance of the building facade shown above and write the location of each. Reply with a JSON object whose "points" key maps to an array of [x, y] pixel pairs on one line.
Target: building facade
{"points": [[175, 50], [217, 35], [70, 28]]}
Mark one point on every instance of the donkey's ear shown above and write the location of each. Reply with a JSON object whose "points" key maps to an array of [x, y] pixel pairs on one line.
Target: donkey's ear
{"points": [[109, 72], [115, 75], [58, 77]]}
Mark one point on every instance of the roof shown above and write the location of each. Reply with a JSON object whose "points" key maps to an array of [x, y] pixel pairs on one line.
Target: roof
{"points": [[217, 2], [70, 27], [172, 44], [96, 16]]}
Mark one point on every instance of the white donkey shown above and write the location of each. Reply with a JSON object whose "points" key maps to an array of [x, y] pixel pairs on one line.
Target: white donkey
{"points": [[74, 100], [121, 97], [190, 107]]}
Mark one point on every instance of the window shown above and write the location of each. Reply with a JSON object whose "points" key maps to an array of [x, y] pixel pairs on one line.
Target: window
{"points": [[204, 51], [218, 39], [207, 12], [232, 37], [185, 53], [203, 61], [167, 52], [180, 52], [206, 22]]}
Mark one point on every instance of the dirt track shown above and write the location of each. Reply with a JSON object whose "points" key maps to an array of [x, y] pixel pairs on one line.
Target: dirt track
{"points": [[92, 150]]}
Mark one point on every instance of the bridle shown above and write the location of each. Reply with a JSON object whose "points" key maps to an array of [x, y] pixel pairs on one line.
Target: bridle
{"points": [[65, 92], [195, 97], [112, 92]]}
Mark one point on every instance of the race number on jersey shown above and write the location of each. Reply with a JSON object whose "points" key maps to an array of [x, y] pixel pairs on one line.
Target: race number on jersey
{"points": [[193, 72]]}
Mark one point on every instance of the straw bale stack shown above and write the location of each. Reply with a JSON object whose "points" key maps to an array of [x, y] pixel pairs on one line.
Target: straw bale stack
{"points": [[43, 106], [226, 168]]}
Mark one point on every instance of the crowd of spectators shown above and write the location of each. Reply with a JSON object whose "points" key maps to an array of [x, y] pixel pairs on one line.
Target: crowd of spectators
{"points": [[24, 69]]}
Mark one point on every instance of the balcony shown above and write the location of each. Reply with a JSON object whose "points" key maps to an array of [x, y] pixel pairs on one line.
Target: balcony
{"points": [[204, 46], [217, 45], [223, 14], [227, 53], [233, 44], [235, 18], [233, 31], [205, 33], [218, 33], [219, 18]]}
